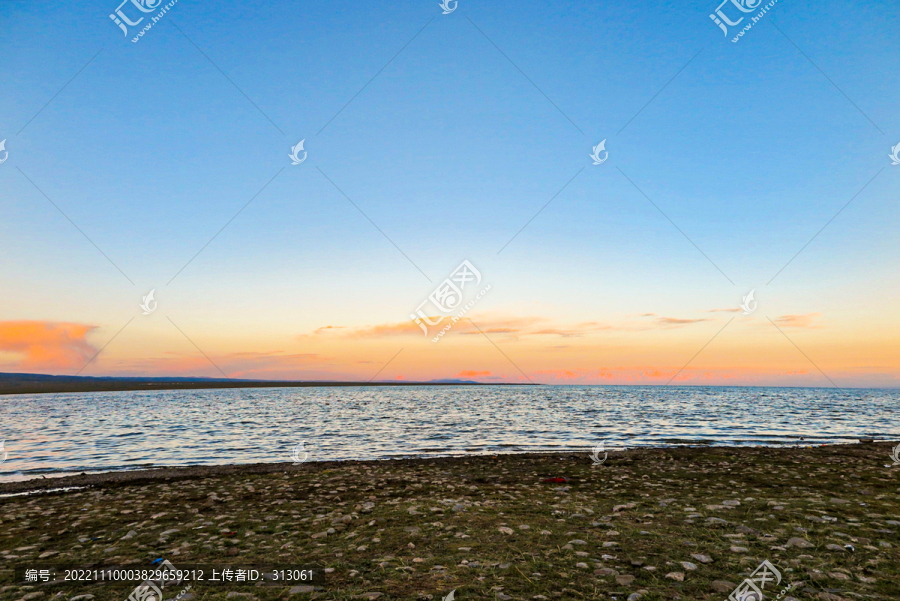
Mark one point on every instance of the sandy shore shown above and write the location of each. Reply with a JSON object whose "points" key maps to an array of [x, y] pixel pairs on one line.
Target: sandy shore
{"points": [[649, 524]]}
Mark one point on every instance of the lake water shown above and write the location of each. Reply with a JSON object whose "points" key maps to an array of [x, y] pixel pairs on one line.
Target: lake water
{"points": [[64, 433]]}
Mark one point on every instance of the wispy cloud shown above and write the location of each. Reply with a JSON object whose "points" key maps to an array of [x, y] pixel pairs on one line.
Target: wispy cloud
{"points": [[675, 321], [798, 321]]}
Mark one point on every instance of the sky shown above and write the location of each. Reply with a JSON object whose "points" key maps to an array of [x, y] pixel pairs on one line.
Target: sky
{"points": [[164, 164]]}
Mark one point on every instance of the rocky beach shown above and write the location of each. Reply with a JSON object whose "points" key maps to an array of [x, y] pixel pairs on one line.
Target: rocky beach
{"points": [[666, 523]]}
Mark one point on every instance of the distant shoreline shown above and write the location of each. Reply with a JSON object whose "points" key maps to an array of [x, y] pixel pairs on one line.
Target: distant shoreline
{"points": [[41, 384]]}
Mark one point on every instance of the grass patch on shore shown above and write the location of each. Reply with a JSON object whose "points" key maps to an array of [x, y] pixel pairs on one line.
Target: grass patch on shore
{"points": [[678, 523]]}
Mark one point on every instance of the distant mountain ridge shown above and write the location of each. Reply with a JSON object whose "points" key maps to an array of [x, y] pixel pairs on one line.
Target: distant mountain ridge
{"points": [[25, 383]]}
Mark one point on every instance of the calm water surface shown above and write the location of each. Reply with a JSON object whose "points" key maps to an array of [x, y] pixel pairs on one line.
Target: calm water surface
{"points": [[62, 433]]}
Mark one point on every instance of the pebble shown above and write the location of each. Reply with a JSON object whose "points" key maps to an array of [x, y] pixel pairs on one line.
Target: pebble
{"points": [[679, 576], [702, 558], [688, 565], [303, 588], [505, 530], [798, 542], [723, 586], [625, 579]]}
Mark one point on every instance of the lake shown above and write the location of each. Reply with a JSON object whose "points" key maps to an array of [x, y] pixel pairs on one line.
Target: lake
{"points": [[64, 433]]}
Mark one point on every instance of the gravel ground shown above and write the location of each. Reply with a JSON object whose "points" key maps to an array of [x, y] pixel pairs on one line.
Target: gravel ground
{"points": [[685, 523]]}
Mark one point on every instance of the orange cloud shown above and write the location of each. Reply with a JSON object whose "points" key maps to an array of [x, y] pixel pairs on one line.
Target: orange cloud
{"points": [[674, 321], [577, 374], [45, 345], [798, 321], [468, 373]]}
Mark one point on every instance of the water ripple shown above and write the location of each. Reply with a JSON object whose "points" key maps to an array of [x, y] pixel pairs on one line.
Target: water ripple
{"points": [[52, 434]]}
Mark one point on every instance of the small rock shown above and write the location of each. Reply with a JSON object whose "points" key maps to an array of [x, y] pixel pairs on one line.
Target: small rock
{"points": [[233, 594], [131, 534], [577, 541], [634, 597], [605, 572], [625, 579], [678, 576], [702, 558], [723, 586], [740, 550], [369, 596], [505, 530], [688, 565], [303, 588], [833, 547], [582, 565], [802, 543], [320, 535]]}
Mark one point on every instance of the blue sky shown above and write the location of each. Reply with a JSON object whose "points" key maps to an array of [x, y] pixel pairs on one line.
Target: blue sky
{"points": [[450, 150]]}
